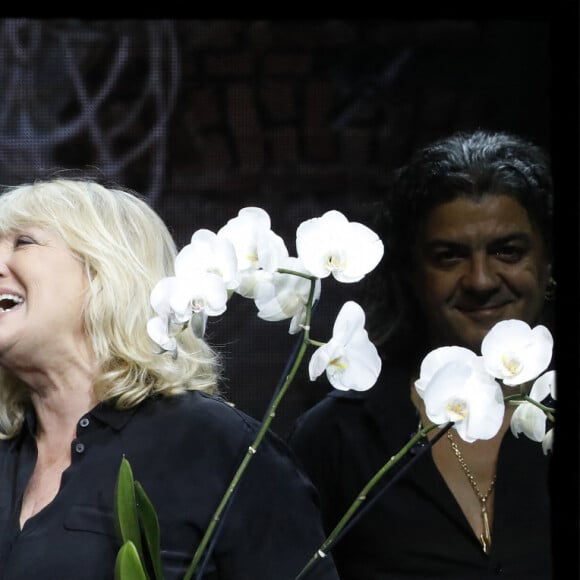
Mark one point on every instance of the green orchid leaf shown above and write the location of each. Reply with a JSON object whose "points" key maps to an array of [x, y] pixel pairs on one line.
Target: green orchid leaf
{"points": [[151, 530], [126, 507], [128, 565]]}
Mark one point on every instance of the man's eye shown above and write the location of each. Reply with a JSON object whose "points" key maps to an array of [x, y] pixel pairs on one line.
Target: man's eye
{"points": [[446, 258], [509, 253]]}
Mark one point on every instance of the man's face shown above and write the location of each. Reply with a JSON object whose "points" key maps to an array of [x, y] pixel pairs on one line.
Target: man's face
{"points": [[478, 262]]}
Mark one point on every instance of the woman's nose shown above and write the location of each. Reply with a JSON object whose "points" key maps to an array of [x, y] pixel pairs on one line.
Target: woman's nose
{"points": [[5, 254]]}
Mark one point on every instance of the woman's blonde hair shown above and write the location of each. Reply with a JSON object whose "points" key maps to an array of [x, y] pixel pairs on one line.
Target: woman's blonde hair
{"points": [[126, 249]]}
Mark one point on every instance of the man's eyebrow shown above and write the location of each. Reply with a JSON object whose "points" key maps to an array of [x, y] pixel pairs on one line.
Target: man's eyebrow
{"points": [[514, 237], [523, 237]]}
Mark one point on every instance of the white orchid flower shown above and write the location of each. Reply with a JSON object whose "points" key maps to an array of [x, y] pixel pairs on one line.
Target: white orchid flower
{"points": [[256, 245], [208, 253], [332, 245], [285, 296], [251, 281], [158, 329], [208, 293], [463, 392], [516, 353], [548, 442], [209, 297], [170, 298], [438, 358], [171, 308], [350, 359], [190, 298], [531, 420]]}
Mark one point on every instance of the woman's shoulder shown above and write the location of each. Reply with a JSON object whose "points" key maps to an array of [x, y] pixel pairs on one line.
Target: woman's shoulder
{"points": [[203, 410], [195, 415]]}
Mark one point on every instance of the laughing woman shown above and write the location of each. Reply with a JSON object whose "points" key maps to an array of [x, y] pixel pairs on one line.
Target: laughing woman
{"points": [[81, 387]]}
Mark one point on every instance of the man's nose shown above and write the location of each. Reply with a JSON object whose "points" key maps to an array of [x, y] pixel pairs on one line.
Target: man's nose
{"points": [[480, 273]]}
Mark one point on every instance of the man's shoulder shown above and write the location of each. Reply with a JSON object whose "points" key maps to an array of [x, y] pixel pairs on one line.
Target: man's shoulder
{"points": [[340, 410], [337, 402]]}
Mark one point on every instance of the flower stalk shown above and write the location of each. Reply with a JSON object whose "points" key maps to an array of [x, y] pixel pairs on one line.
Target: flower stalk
{"points": [[550, 412], [270, 414], [362, 497]]}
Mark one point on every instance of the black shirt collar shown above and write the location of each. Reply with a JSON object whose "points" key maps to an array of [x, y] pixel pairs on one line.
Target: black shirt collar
{"points": [[105, 412]]}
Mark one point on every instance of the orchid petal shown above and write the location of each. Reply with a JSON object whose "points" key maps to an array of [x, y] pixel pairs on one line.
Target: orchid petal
{"points": [[360, 367], [208, 293], [322, 357], [286, 295], [350, 318], [271, 250], [543, 386], [251, 281], [208, 253], [516, 353], [439, 357], [463, 393], [256, 245], [332, 245], [548, 442], [170, 299], [350, 359], [529, 420], [158, 331]]}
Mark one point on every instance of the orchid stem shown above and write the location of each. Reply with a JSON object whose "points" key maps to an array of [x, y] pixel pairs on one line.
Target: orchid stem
{"points": [[550, 412], [253, 448], [347, 518]]}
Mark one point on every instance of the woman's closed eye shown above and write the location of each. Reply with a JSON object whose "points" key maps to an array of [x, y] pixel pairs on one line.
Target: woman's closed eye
{"points": [[24, 240]]}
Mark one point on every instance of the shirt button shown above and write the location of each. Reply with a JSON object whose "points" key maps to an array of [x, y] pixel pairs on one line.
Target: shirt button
{"points": [[498, 570], [84, 422], [79, 447]]}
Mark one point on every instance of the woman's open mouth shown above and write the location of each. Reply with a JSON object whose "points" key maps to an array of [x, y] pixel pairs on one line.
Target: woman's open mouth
{"points": [[9, 301]]}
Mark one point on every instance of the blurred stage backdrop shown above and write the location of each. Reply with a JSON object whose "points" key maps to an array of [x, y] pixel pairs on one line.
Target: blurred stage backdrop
{"points": [[204, 117]]}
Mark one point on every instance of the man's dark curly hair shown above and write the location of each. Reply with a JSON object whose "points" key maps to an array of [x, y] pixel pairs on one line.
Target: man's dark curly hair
{"points": [[472, 164]]}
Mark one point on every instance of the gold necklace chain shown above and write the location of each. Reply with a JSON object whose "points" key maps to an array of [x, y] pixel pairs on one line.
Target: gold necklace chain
{"points": [[484, 538]]}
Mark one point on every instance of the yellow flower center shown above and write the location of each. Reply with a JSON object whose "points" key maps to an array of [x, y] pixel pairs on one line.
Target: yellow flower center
{"points": [[457, 409], [334, 263], [338, 363], [511, 364]]}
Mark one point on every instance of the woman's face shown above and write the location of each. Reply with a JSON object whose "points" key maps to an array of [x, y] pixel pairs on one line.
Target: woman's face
{"points": [[478, 262], [42, 289]]}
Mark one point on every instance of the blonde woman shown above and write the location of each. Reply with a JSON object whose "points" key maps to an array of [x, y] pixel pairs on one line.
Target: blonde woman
{"points": [[82, 386]]}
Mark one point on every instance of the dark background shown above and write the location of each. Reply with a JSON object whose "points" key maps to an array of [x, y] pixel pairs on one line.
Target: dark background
{"points": [[204, 117]]}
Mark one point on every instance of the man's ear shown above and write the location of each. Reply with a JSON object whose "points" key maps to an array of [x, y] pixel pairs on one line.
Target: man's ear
{"points": [[551, 284]]}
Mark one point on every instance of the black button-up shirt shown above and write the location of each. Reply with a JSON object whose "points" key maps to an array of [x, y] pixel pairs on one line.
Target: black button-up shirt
{"points": [[184, 451]]}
